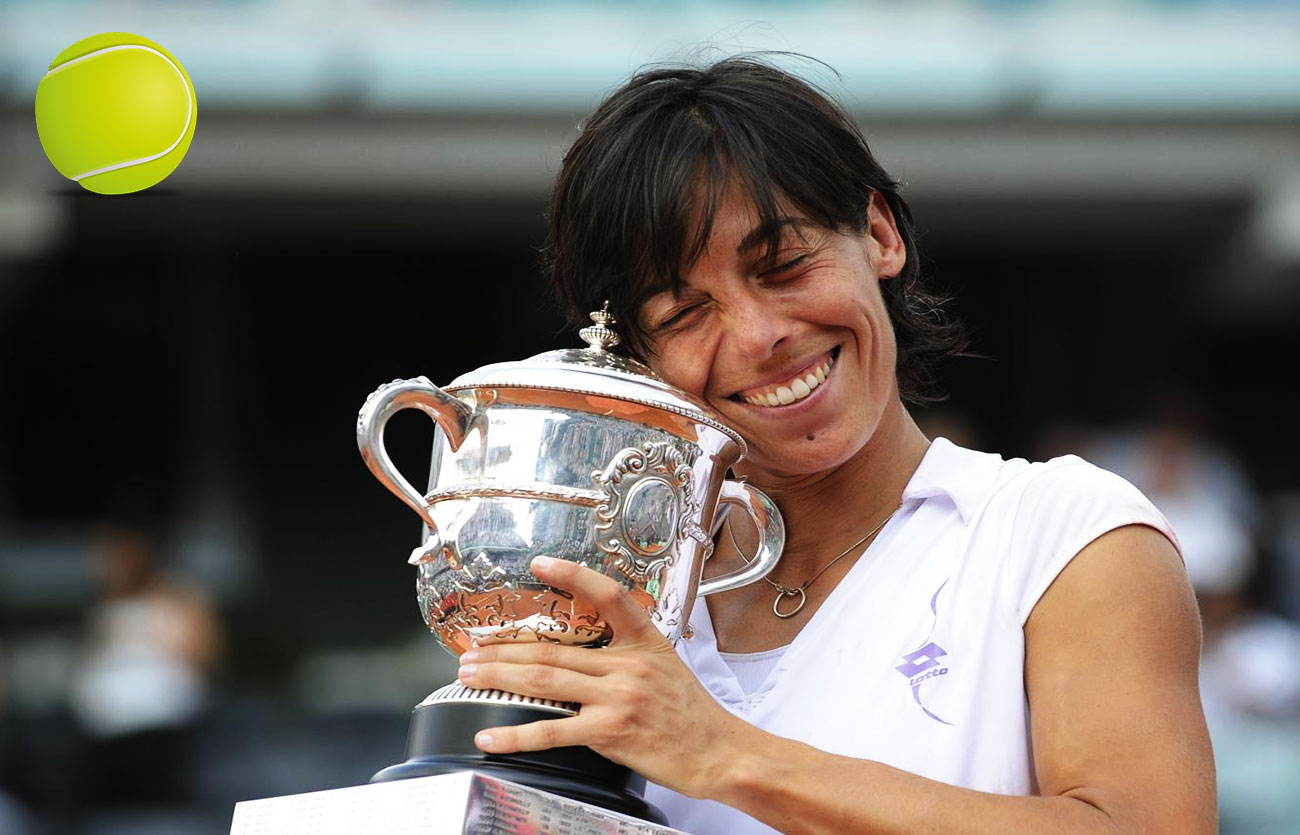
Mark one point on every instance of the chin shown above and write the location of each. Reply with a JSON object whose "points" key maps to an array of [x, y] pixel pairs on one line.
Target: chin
{"points": [[800, 456]]}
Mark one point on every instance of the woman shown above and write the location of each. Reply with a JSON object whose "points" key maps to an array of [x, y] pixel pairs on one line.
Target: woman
{"points": [[952, 641]]}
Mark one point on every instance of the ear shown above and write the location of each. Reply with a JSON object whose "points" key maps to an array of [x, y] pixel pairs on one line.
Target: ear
{"points": [[885, 247]]}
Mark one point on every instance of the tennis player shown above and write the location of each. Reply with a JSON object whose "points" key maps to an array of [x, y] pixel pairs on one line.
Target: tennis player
{"points": [[953, 641]]}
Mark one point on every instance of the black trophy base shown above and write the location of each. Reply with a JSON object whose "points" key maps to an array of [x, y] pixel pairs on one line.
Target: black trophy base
{"points": [[441, 741]]}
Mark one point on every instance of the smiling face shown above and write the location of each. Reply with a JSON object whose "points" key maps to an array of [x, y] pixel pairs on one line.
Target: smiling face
{"points": [[793, 348]]}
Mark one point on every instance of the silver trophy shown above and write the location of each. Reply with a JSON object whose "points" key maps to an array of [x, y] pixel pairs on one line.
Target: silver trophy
{"points": [[578, 454]]}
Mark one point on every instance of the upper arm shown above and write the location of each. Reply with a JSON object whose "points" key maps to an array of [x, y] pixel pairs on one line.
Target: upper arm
{"points": [[1111, 655]]}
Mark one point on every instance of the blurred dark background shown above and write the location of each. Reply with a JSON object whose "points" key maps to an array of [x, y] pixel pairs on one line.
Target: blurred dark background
{"points": [[1111, 194]]}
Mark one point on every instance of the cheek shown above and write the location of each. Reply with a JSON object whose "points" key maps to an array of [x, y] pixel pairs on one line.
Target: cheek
{"points": [[683, 367], [876, 316], [882, 373], [885, 337]]}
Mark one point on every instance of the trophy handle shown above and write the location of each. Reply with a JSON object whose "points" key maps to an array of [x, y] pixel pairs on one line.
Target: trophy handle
{"points": [[451, 413], [771, 537]]}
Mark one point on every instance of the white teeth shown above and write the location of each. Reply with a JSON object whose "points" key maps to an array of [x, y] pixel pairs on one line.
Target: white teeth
{"points": [[797, 389]]}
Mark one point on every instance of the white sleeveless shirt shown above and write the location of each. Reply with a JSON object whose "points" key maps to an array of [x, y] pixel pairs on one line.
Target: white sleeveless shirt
{"points": [[916, 659]]}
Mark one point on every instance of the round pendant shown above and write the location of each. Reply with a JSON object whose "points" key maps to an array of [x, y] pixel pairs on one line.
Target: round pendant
{"points": [[795, 592]]}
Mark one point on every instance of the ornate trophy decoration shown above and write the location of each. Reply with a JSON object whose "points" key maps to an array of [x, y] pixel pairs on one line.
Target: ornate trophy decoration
{"points": [[649, 506], [579, 454]]}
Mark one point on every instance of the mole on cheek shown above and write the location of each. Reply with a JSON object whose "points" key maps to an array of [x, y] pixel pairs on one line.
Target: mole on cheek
{"points": [[811, 437]]}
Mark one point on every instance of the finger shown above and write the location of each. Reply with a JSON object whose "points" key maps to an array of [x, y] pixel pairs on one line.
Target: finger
{"points": [[614, 603], [585, 660], [536, 680], [533, 736]]}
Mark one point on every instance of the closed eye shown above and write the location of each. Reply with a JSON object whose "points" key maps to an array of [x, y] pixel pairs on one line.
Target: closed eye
{"points": [[680, 316], [783, 268]]}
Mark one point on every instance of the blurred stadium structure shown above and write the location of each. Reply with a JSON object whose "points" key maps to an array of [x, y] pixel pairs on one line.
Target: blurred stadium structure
{"points": [[1112, 190]]}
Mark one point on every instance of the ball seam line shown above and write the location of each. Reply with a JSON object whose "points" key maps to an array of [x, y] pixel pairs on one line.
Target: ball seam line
{"points": [[189, 105]]}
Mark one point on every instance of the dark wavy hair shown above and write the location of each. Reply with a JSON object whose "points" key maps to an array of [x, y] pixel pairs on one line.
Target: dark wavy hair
{"points": [[638, 191]]}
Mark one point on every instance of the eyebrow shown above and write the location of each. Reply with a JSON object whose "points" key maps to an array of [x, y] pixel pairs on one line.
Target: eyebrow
{"points": [[759, 233]]}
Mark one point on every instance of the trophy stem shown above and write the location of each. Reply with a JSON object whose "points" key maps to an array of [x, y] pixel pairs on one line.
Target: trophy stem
{"points": [[441, 741]]}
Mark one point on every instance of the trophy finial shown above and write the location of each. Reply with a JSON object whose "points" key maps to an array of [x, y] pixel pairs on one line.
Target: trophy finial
{"points": [[600, 336]]}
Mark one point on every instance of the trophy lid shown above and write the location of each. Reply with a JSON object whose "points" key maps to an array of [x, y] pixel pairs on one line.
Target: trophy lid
{"points": [[596, 371]]}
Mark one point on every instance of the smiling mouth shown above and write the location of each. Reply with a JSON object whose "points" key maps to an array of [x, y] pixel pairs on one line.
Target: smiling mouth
{"points": [[792, 390]]}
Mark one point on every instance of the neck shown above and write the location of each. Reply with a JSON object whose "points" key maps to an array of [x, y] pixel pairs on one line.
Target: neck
{"points": [[827, 511]]}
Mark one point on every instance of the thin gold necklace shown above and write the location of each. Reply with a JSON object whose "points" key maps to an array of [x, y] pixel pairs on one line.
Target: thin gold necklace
{"points": [[801, 592]]}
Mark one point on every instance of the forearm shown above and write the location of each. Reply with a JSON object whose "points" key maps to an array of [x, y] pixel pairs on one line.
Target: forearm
{"points": [[798, 789]]}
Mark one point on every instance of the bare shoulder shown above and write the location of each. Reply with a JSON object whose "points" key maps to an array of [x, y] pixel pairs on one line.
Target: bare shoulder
{"points": [[1111, 656], [1129, 583]]}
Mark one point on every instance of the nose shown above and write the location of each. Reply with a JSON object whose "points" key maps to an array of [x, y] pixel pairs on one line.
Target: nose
{"points": [[754, 325]]}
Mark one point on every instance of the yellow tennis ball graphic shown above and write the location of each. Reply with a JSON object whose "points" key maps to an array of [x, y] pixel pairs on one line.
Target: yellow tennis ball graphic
{"points": [[115, 113]]}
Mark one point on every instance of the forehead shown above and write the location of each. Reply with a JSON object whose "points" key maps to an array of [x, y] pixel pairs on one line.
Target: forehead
{"points": [[734, 211], [736, 226]]}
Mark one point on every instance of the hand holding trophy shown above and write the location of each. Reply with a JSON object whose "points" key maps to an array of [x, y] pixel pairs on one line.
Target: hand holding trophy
{"points": [[576, 454]]}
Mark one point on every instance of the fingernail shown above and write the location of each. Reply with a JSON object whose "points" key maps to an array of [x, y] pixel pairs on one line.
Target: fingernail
{"points": [[469, 658], [467, 671], [543, 562], [483, 740]]}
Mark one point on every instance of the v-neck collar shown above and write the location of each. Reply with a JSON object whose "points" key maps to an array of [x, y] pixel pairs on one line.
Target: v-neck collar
{"points": [[963, 476], [710, 667]]}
